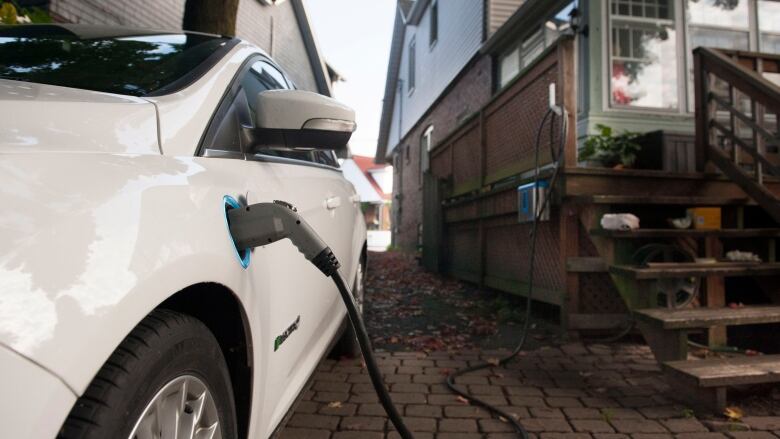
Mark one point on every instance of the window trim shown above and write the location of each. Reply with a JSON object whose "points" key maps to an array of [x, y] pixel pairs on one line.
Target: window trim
{"points": [[195, 74], [433, 24], [427, 138], [411, 68], [678, 24], [221, 109]]}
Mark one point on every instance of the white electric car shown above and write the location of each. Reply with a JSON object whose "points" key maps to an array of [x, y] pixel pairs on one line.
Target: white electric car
{"points": [[126, 312]]}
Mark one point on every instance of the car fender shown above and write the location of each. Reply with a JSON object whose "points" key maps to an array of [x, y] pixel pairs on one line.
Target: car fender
{"points": [[93, 242]]}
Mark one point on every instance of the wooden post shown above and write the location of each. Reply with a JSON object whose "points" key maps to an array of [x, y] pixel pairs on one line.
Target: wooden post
{"points": [[701, 78], [567, 90], [716, 291], [569, 234], [482, 149]]}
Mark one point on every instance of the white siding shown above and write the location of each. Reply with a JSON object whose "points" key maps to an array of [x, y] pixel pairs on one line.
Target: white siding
{"points": [[460, 36], [500, 11]]}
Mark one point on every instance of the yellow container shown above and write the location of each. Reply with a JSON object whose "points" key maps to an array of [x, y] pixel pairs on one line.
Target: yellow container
{"points": [[705, 217]]}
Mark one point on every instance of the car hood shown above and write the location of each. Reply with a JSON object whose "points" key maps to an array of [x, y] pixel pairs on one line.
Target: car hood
{"points": [[45, 118]]}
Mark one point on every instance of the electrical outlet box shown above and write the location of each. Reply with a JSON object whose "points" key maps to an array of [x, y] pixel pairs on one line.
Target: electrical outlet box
{"points": [[529, 201]]}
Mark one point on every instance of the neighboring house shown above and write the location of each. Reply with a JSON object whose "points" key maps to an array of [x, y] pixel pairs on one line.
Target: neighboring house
{"points": [[281, 29], [435, 79], [374, 185], [464, 98]]}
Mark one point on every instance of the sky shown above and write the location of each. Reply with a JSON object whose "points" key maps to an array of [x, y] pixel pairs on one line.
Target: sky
{"points": [[354, 37]]}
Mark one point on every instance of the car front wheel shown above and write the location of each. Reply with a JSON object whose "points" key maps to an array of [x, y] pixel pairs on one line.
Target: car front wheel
{"points": [[168, 379]]}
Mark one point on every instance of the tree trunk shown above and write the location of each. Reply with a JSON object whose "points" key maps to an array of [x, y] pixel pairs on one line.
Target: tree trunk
{"points": [[211, 16]]}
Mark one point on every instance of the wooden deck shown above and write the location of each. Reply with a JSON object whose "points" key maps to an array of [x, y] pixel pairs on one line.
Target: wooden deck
{"points": [[693, 318]]}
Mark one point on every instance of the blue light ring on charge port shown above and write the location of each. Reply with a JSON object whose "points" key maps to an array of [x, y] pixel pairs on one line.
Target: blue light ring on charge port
{"points": [[243, 255]]}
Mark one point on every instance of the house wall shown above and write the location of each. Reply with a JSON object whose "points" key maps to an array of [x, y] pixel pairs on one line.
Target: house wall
{"points": [[465, 96], [460, 35], [483, 240], [255, 23]]}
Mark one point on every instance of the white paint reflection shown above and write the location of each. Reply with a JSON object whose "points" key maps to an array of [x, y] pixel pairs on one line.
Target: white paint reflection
{"points": [[27, 315]]}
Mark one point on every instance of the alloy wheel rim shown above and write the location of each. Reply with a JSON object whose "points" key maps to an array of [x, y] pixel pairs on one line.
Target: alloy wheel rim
{"points": [[182, 409]]}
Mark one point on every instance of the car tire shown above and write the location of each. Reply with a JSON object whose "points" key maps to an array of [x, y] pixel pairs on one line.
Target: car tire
{"points": [[135, 392], [348, 346]]}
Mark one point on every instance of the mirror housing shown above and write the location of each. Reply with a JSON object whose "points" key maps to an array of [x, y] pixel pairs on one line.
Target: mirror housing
{"points": [[297, 119]]}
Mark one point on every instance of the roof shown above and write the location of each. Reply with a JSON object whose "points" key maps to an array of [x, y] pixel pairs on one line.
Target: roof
{"points": [[405, 6], [368, 167], [312, 50], [335, 76], [518, 23], [358, 171], [391, 81]]}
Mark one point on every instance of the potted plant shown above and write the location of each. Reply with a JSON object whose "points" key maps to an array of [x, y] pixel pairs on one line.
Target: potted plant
{"points": [[611, 150]]}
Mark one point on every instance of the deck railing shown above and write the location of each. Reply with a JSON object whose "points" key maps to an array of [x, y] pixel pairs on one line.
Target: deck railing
{"points": [[737, 121]]}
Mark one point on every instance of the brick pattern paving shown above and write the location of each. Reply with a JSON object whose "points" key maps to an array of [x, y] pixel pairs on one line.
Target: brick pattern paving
{"points": [[572, 391]]}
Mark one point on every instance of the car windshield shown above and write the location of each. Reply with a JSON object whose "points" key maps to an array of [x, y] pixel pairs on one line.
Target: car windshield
{"points": [[129, 64]]}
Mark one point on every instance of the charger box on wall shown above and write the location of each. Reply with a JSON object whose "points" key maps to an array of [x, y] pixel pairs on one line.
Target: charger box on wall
{"points": [[529, 201]]}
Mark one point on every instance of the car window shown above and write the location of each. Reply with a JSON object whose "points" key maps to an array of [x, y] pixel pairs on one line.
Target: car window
{"points": [[225, 133], [136, 65]]}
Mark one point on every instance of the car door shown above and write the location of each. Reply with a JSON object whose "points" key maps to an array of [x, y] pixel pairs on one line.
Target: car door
{"points": [[299, 308]]}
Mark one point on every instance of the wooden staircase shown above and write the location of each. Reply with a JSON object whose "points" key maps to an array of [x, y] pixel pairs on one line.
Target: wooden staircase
{"points": [[738, 163]]}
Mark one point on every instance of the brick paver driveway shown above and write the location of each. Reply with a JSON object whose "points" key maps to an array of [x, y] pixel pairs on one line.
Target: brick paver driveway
{"points": [[569, 392], [557, 390]]}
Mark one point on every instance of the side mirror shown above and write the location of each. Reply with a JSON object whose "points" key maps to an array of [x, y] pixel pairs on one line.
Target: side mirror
{"points": [[297, 119]]}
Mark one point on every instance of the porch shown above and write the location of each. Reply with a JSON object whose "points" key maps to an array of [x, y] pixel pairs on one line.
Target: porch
{"points": [[605, 280]]}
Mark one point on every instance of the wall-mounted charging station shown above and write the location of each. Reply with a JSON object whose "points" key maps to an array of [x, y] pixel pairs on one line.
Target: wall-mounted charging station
{"points": [[529, 201]]}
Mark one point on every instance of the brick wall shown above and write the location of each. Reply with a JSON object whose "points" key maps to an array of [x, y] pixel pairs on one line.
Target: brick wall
{"points": [[254, 24], [466, 94], [482, 162]]}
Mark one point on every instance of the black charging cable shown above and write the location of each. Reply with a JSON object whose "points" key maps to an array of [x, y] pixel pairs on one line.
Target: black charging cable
{"points": [[555, 156], [265, 223]]}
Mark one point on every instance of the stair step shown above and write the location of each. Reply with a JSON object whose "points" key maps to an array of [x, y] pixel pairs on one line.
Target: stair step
{"points": [[692, 318], [693, 233], [693, 269], [721, 372], [660, 199]]}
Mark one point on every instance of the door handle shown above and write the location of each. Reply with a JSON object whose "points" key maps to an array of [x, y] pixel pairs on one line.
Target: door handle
{"points": [[332, 202]]}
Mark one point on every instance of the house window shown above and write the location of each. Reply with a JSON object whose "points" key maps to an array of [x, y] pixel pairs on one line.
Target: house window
{"points": [[769, 26], [434, 23], [412, 49], [521, 56], [643, 54], [525, 52], [714, 23], [425, 149], [532, 47], [510, 66]]}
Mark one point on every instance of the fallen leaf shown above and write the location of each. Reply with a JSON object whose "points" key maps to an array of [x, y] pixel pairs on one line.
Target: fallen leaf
{"points": [[334, 404], [733, 413], [461, 399], [494, 361], [752, 353]]}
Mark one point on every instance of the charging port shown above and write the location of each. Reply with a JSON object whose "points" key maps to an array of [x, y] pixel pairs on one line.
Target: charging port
{"points": [[243, 255]]}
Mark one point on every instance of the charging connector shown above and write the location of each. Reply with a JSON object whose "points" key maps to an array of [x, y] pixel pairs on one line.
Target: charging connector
{"points": [[265, 223]]}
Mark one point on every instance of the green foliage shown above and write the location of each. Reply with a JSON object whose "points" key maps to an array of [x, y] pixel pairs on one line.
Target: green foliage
{"points": [[611, 149], [7, 13], [37, 15], [11, 13]]}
